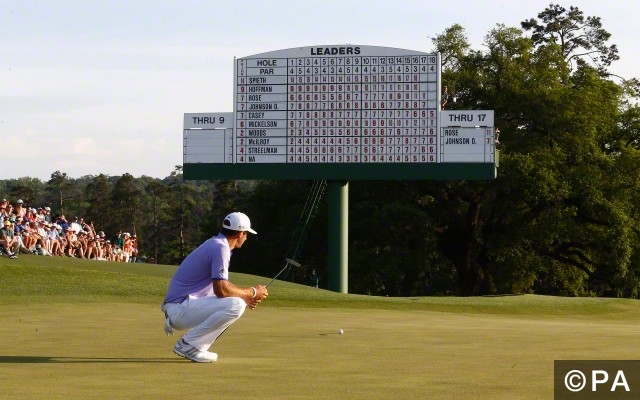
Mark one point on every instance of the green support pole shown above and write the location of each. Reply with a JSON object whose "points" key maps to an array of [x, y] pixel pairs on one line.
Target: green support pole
{"points": [[338, 199]]}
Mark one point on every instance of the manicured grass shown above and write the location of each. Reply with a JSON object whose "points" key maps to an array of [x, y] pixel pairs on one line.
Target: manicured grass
{"points": [[93, 330]]}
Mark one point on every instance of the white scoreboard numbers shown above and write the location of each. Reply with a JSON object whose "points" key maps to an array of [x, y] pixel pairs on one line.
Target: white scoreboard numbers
{"points": [[337, 104], [339, 112]]}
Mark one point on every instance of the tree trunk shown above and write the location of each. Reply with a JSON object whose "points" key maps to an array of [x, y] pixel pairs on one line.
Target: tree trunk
{"points": [[458, 246]]}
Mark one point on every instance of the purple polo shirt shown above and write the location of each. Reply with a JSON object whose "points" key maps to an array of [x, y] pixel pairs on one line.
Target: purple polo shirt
{"points": [[194, 277]]}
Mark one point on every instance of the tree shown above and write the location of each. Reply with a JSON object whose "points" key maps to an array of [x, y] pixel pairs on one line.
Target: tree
{"points": [[126, 199], [581, 40], [98, 196], [453, 47], [60, 189], [185, 221], [156, 229], [539, 226]]}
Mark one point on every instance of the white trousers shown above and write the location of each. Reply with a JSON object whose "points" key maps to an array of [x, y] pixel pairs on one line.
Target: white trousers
{"points": [[205, 318]]}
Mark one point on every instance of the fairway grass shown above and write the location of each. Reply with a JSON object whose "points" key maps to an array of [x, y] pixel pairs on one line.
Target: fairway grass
{"points": [[93, 330]]}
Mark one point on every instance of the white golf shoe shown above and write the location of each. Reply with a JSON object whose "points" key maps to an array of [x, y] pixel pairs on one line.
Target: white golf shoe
{"points": [[184, 349]]}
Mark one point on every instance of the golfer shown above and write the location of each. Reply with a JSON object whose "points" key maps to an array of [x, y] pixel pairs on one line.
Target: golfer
{"points": [[200, 298]]}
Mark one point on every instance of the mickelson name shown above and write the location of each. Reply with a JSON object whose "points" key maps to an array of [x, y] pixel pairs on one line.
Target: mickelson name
{"points": [[334, 51]]}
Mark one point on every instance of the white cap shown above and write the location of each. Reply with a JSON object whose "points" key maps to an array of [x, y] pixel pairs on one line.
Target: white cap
{"points": [[237, 221]]}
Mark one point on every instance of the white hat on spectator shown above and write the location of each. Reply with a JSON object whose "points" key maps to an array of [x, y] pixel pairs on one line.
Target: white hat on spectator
{"points": [[19, 201]]}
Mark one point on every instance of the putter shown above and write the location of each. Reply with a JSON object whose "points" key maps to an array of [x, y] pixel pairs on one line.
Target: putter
{"points": [[289, 262]]}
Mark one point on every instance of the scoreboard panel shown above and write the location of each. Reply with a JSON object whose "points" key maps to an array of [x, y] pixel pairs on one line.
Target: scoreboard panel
{"points": [[337, 104], [339, 113], [467, 136], [208, 137]]}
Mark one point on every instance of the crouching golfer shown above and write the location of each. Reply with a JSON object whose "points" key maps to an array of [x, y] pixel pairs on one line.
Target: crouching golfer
{"points": [[200, 298]]}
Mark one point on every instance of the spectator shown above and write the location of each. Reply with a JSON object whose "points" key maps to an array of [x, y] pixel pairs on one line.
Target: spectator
{"points": [[127, 247], [30, 215], [11, 211], [4, 214], [39, 233], [47, 214], [445, 97], [313, 278], [134, 248], [83, 242], [40, 217], [43, 231], [54, 237], [118, 240], [7, 239], [73, 245], [18, 229], [88, 227], [62, 221], [108, 250], [29, 237], [75, 225], [100, 246], [62, 238], [20, 209]]}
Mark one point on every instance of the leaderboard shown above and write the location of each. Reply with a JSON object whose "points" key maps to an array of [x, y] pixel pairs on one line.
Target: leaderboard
{"points": [[337, 104]]}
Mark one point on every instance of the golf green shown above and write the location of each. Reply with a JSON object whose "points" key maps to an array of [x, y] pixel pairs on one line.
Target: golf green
{"points": [[102, 338]]}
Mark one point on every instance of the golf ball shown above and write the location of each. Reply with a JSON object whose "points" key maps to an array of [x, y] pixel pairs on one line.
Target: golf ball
{"points": [[340, 331]]}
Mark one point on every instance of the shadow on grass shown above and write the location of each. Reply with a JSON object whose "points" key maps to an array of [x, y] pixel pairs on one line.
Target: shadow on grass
{"points": [[71, 360]]}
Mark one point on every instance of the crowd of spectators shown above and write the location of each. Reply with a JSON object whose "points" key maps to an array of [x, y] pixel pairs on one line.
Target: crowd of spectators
{"points": [[28, 230]]}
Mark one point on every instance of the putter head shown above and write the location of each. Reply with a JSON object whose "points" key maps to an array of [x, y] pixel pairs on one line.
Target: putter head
{"points": [[292, 262]]}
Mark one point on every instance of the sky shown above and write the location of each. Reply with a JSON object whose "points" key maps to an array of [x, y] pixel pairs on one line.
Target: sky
{"points": [[101, 86]]}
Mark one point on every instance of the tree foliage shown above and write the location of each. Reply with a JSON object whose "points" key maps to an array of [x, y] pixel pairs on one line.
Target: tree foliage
{"points": [[581, 40]]}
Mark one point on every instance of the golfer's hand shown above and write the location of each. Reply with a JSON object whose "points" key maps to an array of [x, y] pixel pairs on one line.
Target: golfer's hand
{"points": [[253, 304], [261, 292]]}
